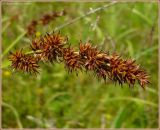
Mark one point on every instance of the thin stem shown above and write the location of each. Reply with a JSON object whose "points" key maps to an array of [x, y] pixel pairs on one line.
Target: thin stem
{"points": [[13, 44], [32, 52], [14, 112], [5, 27], [5, 19], [81, 17]]}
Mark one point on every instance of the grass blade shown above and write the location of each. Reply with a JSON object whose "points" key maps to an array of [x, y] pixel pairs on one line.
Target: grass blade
{"points": [[13, 44], [142, 16], [118, 119], [147, 51], [135, 100], [14, 112]]}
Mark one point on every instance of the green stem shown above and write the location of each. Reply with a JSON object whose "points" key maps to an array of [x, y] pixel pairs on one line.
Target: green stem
{"points": [[32, 52], [81, 17], [14, 112], [136, 100], [5, 27], [13, 44]]}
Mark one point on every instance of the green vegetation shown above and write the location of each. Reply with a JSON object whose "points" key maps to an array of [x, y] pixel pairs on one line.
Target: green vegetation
{"points": [[57, 99]]}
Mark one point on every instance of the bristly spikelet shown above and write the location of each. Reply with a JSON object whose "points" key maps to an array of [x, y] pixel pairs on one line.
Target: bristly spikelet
{"points": [[24, 62], [102, 72], [93, 58], [44, 20], [47, 18], [89, 56], [72, 59], [31, 28], [50, 46], [126, 71], [36, 44], [83, 49]]}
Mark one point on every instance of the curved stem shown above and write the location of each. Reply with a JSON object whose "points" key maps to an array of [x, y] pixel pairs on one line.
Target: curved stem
{"points": [[81, 17], [32, 52], [13, 44], [14, 112]]}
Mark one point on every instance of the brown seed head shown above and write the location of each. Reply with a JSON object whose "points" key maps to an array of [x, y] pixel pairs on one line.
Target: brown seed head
{"points": [[24, 62], [46, 18], [36, 44], [31, 28], [52, 46], [72, 59], [84, 48], [92, 57], [126, 71]]}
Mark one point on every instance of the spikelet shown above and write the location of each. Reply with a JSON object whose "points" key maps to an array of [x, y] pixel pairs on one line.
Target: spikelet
{"points": [[72, 59], [47, 18], [83, 49], [89, 54], [31, 28], [36, 44], [126, 71], [51, 46], [93, 58], [43, 20], [24, 62]]}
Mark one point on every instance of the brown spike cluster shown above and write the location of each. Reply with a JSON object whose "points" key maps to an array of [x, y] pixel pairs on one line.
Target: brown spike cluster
{"points": [[31, 28], [24, 62], [94, 59], [50, 46], [126, 71], [72, 59], [47, 18], [54, 46], [44, 20], [36, 44]]}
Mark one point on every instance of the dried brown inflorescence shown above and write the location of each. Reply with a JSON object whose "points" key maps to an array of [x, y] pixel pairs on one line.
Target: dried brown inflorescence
{"points": [[112, 66], [47, 18], [126, 71], [50, 46], [72, 59], [31, 28], [53, 48], [44, 20], [94, 59], [23, 62]]}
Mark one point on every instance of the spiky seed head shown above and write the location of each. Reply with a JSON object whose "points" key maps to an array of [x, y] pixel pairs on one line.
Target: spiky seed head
{"points": [[51, 46], [126, 71], [24, 62], [72, 59]]}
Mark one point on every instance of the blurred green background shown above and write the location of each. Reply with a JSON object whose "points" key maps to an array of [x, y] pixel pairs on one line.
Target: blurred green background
{"points": [[56, 99]]}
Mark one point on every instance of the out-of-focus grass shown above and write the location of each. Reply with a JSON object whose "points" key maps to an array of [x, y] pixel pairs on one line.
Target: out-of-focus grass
{"points": [[57, 99]]}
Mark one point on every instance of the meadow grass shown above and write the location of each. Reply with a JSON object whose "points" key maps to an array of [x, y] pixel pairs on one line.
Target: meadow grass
{"points": [[57, 99]]}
